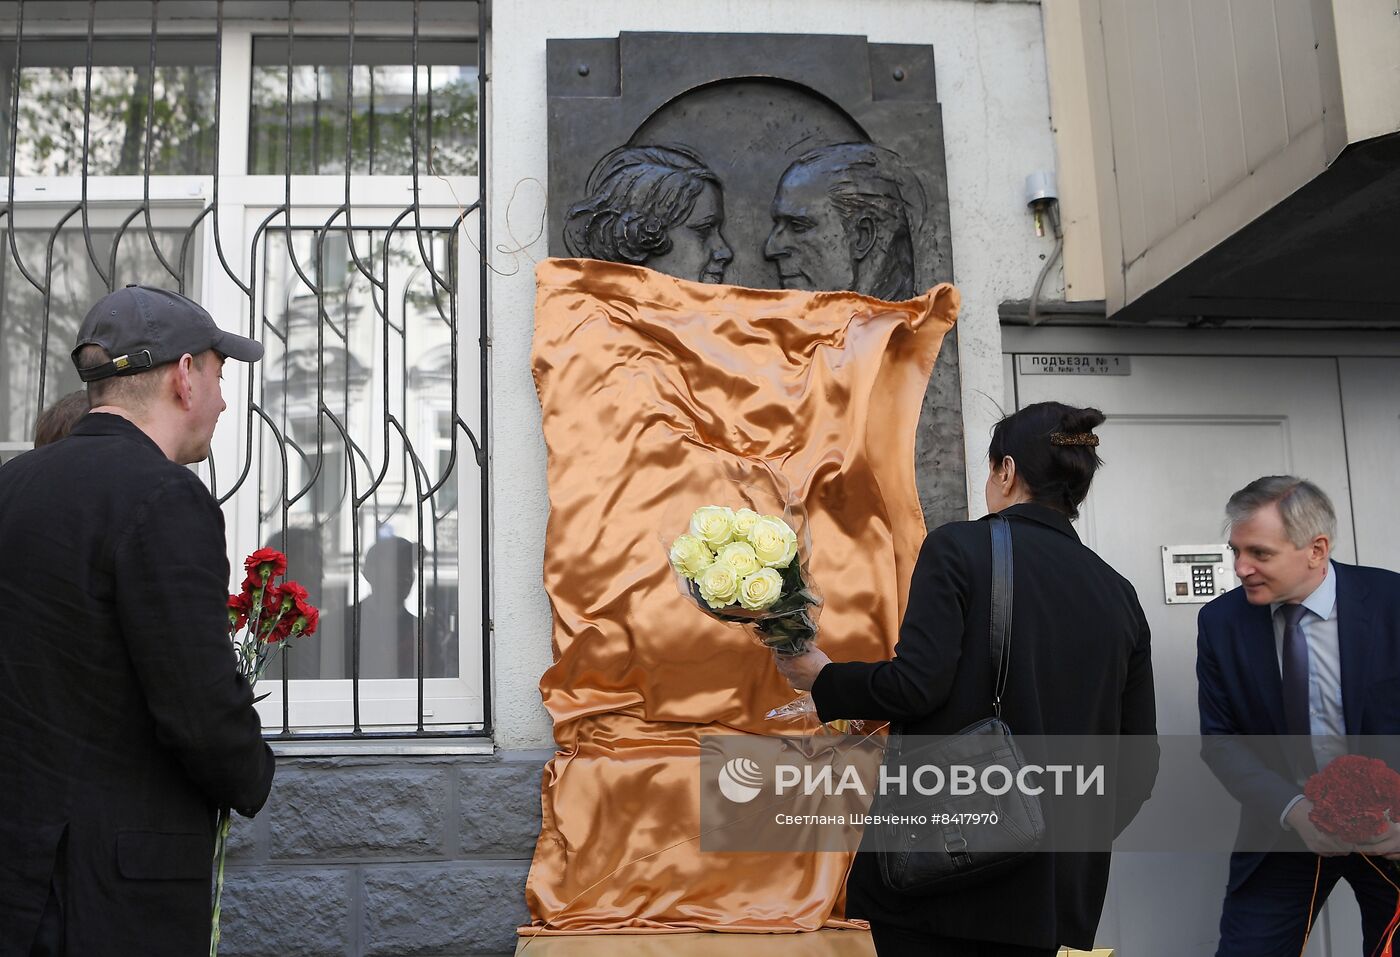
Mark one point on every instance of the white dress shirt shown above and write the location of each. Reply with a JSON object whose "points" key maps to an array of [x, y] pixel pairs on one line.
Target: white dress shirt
{"points": [[1319, 624]]}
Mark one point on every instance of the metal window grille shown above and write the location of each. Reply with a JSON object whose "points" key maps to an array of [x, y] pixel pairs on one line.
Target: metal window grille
{"points": [[362, 446]]}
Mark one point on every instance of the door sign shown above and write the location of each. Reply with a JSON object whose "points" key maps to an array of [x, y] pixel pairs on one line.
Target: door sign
{"points": [[1072, 364]]}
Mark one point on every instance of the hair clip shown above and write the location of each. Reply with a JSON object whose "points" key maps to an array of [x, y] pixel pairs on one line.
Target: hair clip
{"points": [[1074, 438]]}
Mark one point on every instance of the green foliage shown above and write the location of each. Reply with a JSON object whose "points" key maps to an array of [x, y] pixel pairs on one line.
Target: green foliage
{"points": [[50, 128], [181, 107], [382, 121]]}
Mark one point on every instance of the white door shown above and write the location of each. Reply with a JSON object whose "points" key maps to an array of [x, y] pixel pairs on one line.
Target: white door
{"points": [[1183, 433]]}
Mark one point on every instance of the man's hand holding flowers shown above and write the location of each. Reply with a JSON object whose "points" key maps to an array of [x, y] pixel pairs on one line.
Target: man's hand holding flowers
{"points": [[1387, 845], [1317, 840]]}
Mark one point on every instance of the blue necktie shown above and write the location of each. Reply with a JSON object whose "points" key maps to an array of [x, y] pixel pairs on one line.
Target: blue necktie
{"points": [[1296, 705]]}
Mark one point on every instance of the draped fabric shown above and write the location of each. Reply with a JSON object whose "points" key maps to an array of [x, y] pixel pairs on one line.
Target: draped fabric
{"points": [[660, 395]]}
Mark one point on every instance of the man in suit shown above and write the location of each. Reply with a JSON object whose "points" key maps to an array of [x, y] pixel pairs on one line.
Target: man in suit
{"points": [[1307, 648], [123, 722]]}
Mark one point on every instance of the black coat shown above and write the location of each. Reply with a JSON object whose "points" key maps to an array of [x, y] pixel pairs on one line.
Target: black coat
{"points": [[123, 722], [1080, 663]]}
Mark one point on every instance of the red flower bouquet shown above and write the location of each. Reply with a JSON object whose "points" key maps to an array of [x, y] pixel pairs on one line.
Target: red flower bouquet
{"points": [[262, 617], [270, 613], [1355, 798]]}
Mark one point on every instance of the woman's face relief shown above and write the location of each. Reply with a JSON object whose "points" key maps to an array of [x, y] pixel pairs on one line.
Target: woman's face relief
{"points": [[698, 248]]}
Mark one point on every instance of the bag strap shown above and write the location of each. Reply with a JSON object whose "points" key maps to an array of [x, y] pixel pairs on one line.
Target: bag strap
{"points": [[1002, 584]]}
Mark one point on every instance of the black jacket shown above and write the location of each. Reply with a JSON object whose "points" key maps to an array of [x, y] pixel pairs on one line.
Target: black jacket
{"points": [[1080, 663], [123, 722]]}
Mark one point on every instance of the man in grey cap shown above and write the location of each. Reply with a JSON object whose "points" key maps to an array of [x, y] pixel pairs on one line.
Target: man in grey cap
{"points": [[123, 722]]}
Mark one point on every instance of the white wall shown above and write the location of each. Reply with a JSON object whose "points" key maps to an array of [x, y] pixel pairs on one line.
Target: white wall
{"points": [[992, 85]]}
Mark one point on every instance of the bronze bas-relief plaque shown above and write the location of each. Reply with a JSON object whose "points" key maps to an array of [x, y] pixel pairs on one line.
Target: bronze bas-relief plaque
{"points": [[797, 162]]}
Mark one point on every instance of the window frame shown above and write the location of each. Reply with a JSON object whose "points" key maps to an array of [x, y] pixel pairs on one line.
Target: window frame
{"points": [[322, 199], [242, 200]]}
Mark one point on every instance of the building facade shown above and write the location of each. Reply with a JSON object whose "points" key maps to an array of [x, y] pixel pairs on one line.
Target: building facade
{"points": [[363, 186]]}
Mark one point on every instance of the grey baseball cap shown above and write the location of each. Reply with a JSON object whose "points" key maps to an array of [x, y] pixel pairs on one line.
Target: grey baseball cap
{"points": [[141, 327]]}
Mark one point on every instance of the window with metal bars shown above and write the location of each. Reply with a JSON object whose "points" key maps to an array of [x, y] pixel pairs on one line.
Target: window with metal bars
{"points": [[313, 180]]}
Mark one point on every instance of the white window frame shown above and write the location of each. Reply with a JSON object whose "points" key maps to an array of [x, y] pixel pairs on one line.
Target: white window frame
{"points": [[243, 202], [314, 702]]}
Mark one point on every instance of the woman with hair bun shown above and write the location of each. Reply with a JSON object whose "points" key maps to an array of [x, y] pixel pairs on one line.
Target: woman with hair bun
{"points": [[1078, 662], [654, 206]]}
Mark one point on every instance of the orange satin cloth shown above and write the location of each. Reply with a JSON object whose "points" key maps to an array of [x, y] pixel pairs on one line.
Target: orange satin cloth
{"points": [[659, 395]]}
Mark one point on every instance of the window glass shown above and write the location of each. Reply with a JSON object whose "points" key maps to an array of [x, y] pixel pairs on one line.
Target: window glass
{"points": [[362, 358], [381, 114], [53, 80], [75, 286]]}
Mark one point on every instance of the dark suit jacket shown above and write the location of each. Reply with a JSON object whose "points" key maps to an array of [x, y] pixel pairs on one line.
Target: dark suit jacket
{"points": [[123, 722], [1080, 663], [1241, 693]]}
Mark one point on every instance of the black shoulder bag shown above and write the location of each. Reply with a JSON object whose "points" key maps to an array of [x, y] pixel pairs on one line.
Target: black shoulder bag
{"points": [[929, 843]]}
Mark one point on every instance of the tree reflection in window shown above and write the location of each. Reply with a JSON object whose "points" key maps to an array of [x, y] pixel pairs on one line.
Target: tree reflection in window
{"points": [[53, 80], [382, 117], [74, 285]]}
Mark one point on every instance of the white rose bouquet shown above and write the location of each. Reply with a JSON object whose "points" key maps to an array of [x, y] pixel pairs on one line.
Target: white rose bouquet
{"points": [[741, 566]]}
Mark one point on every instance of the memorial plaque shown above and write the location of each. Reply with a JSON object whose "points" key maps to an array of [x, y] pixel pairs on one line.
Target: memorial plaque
{"points": [[768, 161]]}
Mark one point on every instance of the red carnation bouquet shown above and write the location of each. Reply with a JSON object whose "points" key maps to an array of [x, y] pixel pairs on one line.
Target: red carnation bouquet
{"points": [[262, 617], [1357, 799], [267, 613]]}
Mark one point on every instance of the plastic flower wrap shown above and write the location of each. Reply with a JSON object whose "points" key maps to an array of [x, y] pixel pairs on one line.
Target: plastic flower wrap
{"points": [[743, 566]]}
